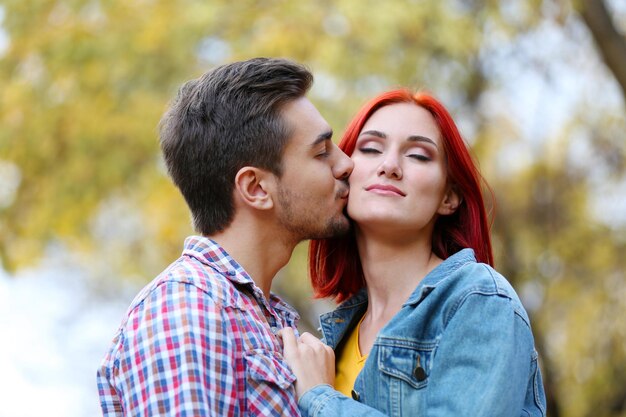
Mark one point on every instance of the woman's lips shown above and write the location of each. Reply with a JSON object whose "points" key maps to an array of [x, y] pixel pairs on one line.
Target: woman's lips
{"points": [[385, 189]]}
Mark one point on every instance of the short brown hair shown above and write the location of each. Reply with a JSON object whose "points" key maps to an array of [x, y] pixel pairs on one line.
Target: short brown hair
{"points": [[227, 119]]}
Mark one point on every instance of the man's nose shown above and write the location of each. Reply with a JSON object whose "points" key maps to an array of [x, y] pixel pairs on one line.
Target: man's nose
{"points": [[343, 166]]}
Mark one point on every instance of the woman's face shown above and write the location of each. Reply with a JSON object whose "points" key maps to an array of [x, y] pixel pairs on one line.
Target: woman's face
{"points": [[398, 184]]}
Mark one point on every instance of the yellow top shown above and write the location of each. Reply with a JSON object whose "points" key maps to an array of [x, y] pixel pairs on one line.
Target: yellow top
{"points": [[349, 363]]}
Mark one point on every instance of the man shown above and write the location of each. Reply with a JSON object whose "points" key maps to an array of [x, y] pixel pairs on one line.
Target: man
{"points": [[255, 163]]}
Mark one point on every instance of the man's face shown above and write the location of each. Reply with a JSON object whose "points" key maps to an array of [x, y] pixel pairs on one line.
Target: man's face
{"points": [[312, 191]]}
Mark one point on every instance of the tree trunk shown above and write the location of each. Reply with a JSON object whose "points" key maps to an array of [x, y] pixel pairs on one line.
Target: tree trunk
{"points": [[610, 43]]}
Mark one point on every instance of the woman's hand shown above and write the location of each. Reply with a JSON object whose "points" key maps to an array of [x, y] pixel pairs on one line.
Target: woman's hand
{"points": [[311, 361]]}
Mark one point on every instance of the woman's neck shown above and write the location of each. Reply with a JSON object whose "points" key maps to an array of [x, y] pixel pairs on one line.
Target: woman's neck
{"points": [[392, 269]]}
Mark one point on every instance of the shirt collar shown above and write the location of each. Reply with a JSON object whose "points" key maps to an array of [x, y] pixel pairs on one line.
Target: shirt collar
{"points": [[210, 253], [213, 255]]}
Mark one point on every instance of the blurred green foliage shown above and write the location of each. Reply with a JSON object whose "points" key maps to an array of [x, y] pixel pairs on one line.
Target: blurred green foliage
{"points": [[84, 83]]}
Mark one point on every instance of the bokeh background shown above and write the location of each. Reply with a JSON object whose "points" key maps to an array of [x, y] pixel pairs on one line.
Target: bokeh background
{"points": [[88, 215]]}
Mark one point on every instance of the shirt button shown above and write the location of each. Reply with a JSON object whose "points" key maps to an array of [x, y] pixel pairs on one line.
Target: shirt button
{"points": [[355, 395]]}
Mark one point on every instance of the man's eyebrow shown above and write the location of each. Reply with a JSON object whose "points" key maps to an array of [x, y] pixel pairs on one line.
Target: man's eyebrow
{"points": [[328, 135]]}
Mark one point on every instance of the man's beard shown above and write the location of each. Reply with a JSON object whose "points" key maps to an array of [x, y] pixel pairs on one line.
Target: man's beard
{"points": [[304, 223]]}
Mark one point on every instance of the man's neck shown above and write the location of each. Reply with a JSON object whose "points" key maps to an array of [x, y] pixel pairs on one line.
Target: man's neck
{"points": [[259, 252]]}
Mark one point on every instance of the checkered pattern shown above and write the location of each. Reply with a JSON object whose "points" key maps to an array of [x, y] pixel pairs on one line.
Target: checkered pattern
{"points": [[198, 341]]}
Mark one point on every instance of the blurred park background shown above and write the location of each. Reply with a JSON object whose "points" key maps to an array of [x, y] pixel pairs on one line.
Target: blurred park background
{"points": [[88, 215]]}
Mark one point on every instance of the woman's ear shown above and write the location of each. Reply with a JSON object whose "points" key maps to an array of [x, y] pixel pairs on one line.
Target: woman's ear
{"points": [[253, 187], [450, 202]]}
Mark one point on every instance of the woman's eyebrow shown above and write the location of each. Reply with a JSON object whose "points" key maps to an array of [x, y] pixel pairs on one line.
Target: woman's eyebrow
{"points": [[418, 138], [376, 133], [412, 138]]}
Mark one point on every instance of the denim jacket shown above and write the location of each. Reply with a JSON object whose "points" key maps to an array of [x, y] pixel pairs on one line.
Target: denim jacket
{"points": [[461, 345]]}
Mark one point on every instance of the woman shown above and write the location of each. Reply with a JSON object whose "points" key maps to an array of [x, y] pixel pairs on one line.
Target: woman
{"points": [[427, 327]]}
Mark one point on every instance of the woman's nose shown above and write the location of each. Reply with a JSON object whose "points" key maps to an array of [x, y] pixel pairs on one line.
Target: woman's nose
{"points": [[390, 168]]}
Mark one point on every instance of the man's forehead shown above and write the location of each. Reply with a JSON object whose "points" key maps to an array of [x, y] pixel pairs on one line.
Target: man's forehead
{"points": [[306, 125]]}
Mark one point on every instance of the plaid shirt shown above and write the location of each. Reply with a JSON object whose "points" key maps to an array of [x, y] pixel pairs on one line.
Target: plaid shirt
{"points": [[198, 341]]}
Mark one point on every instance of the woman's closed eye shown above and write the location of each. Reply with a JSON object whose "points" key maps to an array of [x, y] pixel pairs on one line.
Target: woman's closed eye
{"points": [[370, 150], [420, 157]]}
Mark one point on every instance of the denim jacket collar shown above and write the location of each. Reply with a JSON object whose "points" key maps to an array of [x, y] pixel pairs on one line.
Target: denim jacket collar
{"points": [[441, 272], [336, 323]]}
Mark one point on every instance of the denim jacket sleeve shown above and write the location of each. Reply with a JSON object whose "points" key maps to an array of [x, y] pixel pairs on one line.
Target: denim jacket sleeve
{"points": [[485, 356], [324, 401]]}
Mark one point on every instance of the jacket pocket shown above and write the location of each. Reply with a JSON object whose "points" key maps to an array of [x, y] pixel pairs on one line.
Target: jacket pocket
{"points": [[265, 367], [409, 363]]}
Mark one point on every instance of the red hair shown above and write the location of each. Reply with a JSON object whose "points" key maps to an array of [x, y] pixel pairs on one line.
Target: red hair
{"points": [[334, 264]]}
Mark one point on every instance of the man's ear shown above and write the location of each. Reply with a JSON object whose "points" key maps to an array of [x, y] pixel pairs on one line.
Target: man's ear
{"points": [[450, 202], [253, 187]]}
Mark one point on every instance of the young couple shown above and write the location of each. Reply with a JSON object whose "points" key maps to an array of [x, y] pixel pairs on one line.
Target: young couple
{"points": [[426, 326]]}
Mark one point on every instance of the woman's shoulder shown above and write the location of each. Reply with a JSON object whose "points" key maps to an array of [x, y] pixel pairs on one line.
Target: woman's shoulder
{"points": [[474, 278], [480, 276], [465, 273]]}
